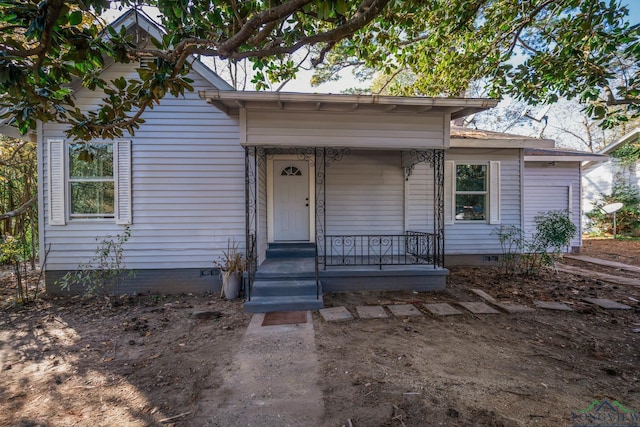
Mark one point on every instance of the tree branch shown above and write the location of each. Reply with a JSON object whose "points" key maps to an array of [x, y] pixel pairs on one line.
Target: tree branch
{"points": [[368, 11], [22, 209], [273, 14], [9, 161]]}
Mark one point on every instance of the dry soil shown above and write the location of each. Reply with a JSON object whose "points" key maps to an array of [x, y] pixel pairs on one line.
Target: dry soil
{"points": [[144, 360]]}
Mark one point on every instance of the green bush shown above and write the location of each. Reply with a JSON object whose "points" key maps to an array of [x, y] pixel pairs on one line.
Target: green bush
{"points": [[554, 231], [627, 218]]}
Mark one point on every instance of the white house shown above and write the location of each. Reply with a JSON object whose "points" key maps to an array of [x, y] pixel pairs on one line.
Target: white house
{"points": [[599, 177], [322, 192]]}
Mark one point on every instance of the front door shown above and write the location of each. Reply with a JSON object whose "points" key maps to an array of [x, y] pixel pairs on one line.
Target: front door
{"points": [[291, 200]]}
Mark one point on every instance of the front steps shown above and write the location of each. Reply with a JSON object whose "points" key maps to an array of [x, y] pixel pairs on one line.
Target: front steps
{"points": [[286, 280], [291, 250], [283, 295]]}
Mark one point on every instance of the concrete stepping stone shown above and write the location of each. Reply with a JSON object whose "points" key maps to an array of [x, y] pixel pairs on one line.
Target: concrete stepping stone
{"points": [[485, 296], [608, 304], [552, 305], [506, 306], [442, 309], [404, 310], [514, 308], [335, 314], [478, 308], [371, 312]]}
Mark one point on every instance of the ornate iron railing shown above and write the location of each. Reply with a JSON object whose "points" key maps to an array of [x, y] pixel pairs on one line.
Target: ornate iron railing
{"points": [[413, 247]]}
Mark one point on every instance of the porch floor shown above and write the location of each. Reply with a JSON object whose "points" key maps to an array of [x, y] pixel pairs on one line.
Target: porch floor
{"points": [[419, 277], [307, 266]]}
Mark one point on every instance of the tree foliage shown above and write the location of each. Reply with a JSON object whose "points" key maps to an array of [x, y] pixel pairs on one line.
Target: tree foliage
{"points": [[572, 48], [534, 51], [18, 195]]}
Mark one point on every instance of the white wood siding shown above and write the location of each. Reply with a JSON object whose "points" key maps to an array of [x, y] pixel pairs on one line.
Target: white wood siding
{"points": [[187, 187], [552, 187], [474, 237], [365, 194], [420, 209], [330, 129]]}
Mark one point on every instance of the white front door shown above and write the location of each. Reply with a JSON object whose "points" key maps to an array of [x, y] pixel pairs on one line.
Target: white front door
{"points": [[291, 200]]}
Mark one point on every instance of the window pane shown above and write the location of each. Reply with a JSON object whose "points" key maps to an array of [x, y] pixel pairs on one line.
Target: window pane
{"points": [[471, 206], [91, 160], [471, 177], [92, 198]]}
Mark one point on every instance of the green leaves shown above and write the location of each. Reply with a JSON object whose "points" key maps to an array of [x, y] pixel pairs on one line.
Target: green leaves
{"points": [[534, 51]]}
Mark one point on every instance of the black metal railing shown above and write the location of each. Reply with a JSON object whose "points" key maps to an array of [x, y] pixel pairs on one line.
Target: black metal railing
{"points": [[413, 247]]}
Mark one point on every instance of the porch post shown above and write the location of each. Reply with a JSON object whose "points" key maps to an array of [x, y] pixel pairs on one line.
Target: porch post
{"points": [[321, 214], [251, 220], [438, 205]]}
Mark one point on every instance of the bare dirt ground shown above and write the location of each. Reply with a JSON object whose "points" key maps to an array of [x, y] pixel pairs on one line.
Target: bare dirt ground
{"points": [[145, 361]]}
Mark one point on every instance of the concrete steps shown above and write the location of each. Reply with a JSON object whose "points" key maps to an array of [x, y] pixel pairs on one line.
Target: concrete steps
{"points": [[283, 295], [291, 250], [286, 281]]}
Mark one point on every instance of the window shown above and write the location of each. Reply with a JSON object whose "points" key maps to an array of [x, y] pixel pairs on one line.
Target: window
{"points": [[88, 181], [291, 171], [471, 192], [91, 180]]}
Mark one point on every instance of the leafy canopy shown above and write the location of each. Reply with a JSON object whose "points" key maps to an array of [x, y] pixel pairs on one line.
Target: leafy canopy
{"points": [[573, 48]]}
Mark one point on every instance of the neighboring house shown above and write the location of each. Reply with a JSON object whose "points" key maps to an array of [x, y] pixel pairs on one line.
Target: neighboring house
{"points": [[376, 190], [599, 177]]}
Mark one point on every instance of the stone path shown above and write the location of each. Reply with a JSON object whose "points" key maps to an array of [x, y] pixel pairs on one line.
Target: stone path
{"points": [[447, 309], [442, 309], [596, 274], [608, 304], [552, 305], [604, 262], [478, 308]]}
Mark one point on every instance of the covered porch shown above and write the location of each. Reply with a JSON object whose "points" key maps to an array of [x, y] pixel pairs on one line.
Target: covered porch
{"points": [[375, 221], [343, 192]]}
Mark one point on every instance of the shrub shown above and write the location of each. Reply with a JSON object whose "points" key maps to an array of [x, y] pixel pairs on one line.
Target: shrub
{"points": [[554, 231]]}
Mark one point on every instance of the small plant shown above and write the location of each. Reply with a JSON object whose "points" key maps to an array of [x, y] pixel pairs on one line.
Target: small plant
{"points": [[511, 242], [105, 272], [231, 260], [231, 264]]}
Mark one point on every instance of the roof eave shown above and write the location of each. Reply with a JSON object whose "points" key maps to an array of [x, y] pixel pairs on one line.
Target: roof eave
{"points": [[501, 143], [561, 158], [456, 107]]}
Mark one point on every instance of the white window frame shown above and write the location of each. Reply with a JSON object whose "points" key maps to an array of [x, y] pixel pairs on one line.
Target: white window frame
{"points": [[484, 193], [493, 192], [112, 179]]}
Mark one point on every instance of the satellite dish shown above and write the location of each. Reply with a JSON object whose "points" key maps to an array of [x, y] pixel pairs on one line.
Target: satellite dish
{"points": [[612, 208]]}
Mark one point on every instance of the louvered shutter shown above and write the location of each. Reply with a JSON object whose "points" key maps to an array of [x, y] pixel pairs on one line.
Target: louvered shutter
{"points": [[57, 214], [122, 167], [494, 192], [449, 191]]}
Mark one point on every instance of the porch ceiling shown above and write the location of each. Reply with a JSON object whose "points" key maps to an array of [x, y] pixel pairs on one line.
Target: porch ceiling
{"points": [[232, 101]]}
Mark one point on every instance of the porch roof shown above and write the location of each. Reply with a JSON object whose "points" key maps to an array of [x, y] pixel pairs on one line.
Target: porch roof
{"points": [[479, 138], [561, 155], [232, 101]]}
